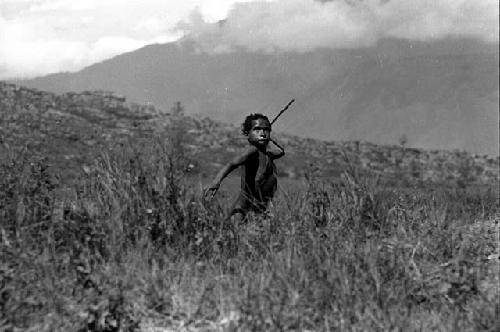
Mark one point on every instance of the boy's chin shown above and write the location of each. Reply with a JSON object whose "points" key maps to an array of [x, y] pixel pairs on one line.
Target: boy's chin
{"points": [[260, 143]]}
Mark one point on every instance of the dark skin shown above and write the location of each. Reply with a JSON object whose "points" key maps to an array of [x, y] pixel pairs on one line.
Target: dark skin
{"points": [[258, 176]]}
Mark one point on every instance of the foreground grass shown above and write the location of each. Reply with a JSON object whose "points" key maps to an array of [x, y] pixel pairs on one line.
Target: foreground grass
{"points": [[132, 247]]}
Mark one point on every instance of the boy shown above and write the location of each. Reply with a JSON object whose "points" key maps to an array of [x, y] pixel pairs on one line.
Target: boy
{"points": [[258, 172]]}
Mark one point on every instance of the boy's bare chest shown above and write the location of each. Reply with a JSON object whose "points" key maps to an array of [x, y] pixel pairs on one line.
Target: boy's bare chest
{"points": [[259, 166]]}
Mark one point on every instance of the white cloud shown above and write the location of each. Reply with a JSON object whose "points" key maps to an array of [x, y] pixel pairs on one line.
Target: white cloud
{"points": [[44, 36], [305, 24]]}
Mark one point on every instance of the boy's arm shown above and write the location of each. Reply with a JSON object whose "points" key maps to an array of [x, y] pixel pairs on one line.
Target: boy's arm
{"points": [[277, 154], [227, 169]]}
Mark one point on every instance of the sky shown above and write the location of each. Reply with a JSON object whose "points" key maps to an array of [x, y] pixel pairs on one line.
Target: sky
{"points": [[44, 36], [38, 37]]}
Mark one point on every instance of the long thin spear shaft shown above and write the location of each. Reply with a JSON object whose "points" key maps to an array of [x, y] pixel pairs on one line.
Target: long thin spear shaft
{"points": [[282, 111]]}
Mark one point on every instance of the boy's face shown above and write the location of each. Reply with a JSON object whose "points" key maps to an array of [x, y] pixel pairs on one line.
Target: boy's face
{"points": [[260, 132]]}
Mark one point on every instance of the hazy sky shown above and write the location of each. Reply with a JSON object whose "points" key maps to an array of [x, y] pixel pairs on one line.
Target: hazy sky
{"points": [[43, 36]]}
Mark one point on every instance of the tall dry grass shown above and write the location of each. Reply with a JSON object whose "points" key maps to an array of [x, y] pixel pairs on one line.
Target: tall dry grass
{"points": [[133, 245]]}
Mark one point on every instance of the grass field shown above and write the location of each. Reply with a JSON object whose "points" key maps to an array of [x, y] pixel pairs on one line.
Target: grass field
{"points": [[133, 246]]}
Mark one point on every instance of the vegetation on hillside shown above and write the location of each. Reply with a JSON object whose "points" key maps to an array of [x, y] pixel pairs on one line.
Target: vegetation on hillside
{"points": [[132, 246], [118, 238], [71, 129]]}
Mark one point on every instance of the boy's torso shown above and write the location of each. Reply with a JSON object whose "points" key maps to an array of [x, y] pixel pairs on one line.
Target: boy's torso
{"points": [[258, 177]]}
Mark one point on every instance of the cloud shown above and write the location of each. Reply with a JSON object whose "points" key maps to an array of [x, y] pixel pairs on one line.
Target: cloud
{"points": [[301, 25], [23, 52], [46, 36]]}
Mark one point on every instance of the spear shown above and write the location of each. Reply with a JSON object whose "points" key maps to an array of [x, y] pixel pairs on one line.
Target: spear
{"points": [[282, 111]]}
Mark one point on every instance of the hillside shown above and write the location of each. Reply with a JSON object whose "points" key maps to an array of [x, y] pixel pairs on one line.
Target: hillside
{"points": [[102, 229], [441, 95], [71, 128]]}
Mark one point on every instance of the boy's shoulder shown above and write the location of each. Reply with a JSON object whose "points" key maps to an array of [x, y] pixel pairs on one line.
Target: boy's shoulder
{"points": [[248, 153], [250, 149]]}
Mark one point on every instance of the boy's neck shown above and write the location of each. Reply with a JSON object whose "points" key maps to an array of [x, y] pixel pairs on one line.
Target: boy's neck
{"points": [[259, 147]]}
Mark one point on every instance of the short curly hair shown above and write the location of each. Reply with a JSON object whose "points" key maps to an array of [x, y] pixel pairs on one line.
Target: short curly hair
{"points": [[247, 124]]}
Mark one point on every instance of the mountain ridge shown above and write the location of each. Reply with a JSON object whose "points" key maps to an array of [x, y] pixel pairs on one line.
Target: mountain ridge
{"points": [[441, 96]]}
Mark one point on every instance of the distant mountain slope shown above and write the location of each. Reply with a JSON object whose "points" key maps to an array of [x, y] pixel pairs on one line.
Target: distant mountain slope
{"points": [[440, 95], [71, 129]]}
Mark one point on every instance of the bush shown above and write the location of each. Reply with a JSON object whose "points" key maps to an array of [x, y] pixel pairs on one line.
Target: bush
{"points": [[133, 244]]}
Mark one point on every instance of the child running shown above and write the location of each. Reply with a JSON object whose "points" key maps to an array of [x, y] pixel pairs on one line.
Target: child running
{"points": [[258, 171]]}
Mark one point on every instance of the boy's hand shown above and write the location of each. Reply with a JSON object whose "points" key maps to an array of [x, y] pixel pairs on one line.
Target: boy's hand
{"points": [[276, 143], [212, 190], [282, 150]]}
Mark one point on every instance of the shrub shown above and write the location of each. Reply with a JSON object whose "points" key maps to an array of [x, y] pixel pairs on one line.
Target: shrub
{"points": [[133, 243]]}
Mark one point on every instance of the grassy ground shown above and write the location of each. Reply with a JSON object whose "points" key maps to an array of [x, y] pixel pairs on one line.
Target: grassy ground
{"points": [[132, 246]]}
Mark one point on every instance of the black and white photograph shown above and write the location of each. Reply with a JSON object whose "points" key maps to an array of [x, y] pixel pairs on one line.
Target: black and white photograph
{"points": [[249, 165]]}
